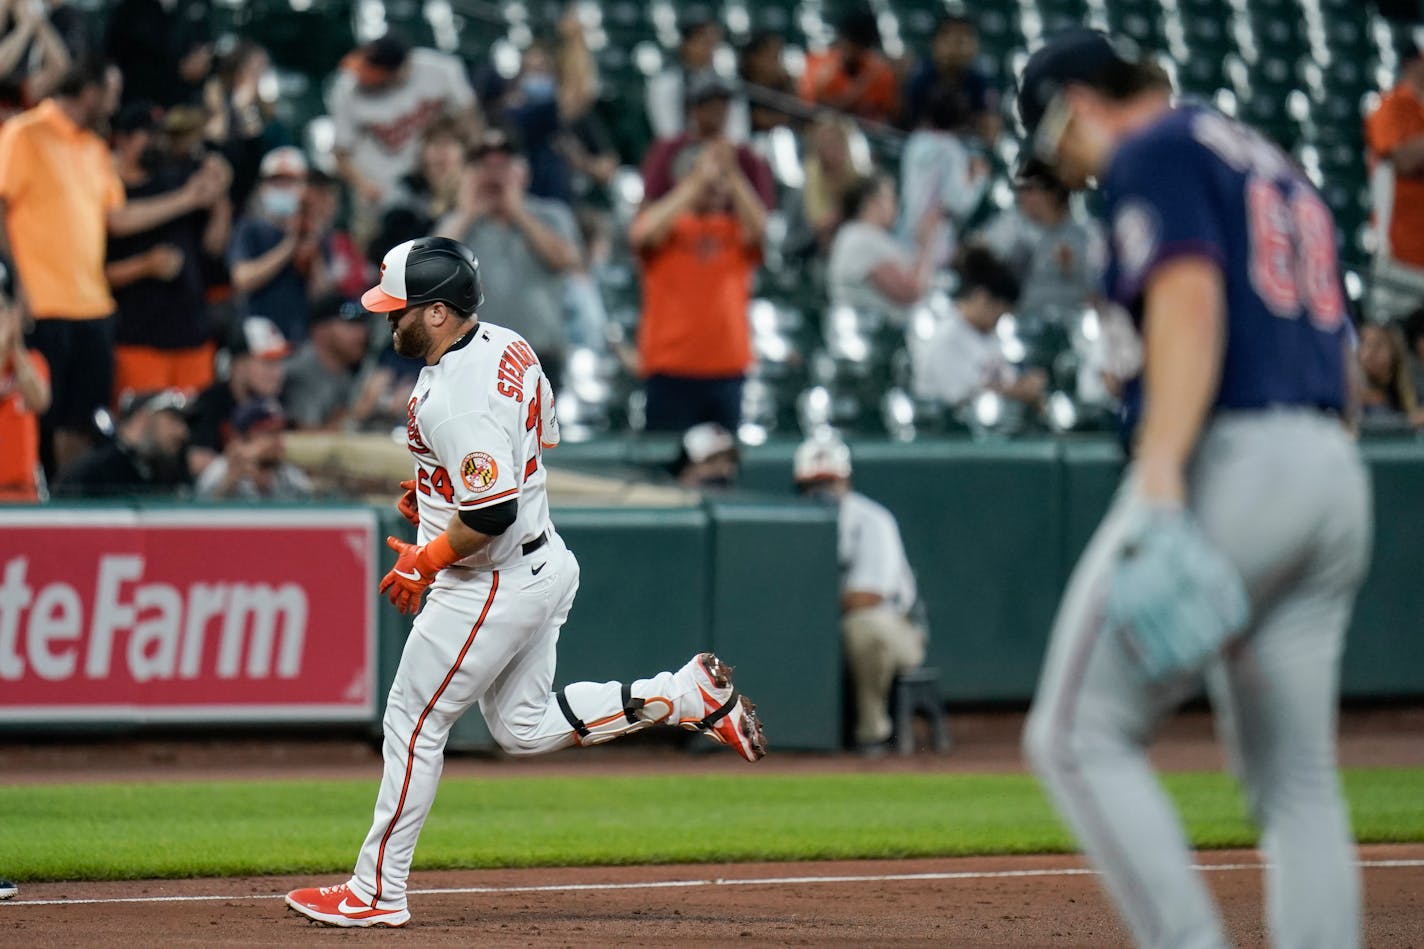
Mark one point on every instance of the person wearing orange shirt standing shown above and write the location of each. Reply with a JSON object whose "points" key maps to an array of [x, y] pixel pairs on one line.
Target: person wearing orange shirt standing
{"points": [[60, 198], [1394, 132], [853, 75], [24, 396], [700, 246]]}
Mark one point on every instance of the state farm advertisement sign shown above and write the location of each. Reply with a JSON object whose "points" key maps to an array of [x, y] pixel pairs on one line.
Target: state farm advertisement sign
{"points": [[187, 616]]}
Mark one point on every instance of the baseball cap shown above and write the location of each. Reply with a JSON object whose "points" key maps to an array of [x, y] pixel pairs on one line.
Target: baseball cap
{"points": [[494, 140], [259, 415], [336, 307], [154, 400], [260, 337], [1077, 56], [284, 162], [706, 87], [388, 52], [706, 441], [821, 458], [427, 270]]}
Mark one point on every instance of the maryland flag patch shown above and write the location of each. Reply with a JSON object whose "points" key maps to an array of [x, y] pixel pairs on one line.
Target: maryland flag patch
{"points": [[479, 472]]}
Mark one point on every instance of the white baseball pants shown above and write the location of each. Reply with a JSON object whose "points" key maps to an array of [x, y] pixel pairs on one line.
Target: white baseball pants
{"points": [[489, 637]]}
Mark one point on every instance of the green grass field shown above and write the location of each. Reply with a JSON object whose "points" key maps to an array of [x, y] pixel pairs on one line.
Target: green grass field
{"points": [[129, 831]]}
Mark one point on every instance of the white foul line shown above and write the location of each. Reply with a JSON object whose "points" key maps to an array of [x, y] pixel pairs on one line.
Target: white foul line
{"points": [[716, 881]]}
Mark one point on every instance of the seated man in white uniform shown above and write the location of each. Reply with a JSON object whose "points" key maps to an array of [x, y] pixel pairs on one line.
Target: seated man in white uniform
{"points": [[877, 587]]}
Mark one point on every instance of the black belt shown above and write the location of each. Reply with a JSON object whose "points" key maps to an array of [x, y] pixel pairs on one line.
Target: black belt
{"points": [[533, 545]]}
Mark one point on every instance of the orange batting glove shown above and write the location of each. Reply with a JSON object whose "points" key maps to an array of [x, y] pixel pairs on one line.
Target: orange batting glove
{"points": [[408, 505], [415, 570]]}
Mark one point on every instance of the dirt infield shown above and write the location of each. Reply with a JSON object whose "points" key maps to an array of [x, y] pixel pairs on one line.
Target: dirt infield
{"points": [[971, 903], [1048, 901]]}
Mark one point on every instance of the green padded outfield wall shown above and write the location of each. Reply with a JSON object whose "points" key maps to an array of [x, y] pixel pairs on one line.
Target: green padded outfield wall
{"points": [[993, 530]]}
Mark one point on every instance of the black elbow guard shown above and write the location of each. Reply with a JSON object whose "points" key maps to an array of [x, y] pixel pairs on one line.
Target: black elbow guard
{"points": [[493, 520]]}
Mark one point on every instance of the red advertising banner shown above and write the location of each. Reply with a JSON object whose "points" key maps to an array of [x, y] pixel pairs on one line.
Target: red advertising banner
{"points": [[187, 615]]}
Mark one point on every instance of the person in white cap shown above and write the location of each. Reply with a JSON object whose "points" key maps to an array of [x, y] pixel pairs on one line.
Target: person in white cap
{"points": [[276, 269], [877, 587], [709, 457]]}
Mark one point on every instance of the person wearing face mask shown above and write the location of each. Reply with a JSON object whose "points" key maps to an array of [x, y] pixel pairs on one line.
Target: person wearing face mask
{"points": [[254, 466], [556, 86], [277, 267], [62, 201], [878, 594], [157, 275]]}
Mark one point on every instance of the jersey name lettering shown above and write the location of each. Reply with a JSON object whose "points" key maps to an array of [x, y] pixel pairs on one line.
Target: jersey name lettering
{"points": [[413, 440], [1238, 146], [512, 366]]}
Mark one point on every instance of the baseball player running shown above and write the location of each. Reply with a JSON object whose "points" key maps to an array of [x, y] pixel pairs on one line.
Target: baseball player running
{"points": [[500, 580], [1241, 532]]}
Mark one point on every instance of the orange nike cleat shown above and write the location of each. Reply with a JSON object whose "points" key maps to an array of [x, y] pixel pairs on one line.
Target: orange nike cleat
{"points": [[729, 717], [338, 906]]}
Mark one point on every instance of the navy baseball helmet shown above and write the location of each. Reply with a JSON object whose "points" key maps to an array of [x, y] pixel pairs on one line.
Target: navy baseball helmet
{"points": [[427, 270], [1077, 56]]}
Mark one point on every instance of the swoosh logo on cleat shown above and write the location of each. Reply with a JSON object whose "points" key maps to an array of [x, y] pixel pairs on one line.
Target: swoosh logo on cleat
{"points": [[361, 909]]}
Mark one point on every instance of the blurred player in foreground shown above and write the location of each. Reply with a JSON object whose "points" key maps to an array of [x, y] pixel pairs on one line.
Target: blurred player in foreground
{"points": [[1241, 532], [501, 581]]}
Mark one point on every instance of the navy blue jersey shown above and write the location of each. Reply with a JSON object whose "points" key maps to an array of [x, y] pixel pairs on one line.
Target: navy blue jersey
{"points": [[1198, 183]]}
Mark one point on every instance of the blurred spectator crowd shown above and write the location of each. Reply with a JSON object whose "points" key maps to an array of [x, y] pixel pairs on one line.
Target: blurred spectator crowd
{"points": [[844, 237]]}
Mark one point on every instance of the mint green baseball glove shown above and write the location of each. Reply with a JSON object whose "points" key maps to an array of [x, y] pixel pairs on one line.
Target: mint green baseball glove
{"points": [[1173, 596]]}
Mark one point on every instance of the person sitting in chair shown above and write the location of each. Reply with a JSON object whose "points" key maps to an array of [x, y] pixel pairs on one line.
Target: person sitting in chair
{"points": [[877, 588]]}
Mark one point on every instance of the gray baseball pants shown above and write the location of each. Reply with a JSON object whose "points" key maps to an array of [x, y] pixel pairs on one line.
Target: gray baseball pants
{"points": [[1284, 495]]}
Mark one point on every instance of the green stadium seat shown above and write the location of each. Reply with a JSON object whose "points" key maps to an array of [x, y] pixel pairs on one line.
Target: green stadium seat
{"points": [[1060, 15], [917, 25], [1202, 75]]}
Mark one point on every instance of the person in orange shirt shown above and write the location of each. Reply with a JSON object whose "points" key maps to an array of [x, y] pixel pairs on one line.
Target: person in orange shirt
{"points": [[60, 198], [24, 396], [1394, 132], [700, 246], [853, 76]]}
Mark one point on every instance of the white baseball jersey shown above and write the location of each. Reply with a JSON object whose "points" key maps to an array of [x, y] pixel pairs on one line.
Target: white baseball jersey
{"points": [[382, 130], [477, 423], [959, 362], [872, 555]]}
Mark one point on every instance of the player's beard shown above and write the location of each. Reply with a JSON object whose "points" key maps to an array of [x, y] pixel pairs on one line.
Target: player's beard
{"points": [[412, 341]]}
